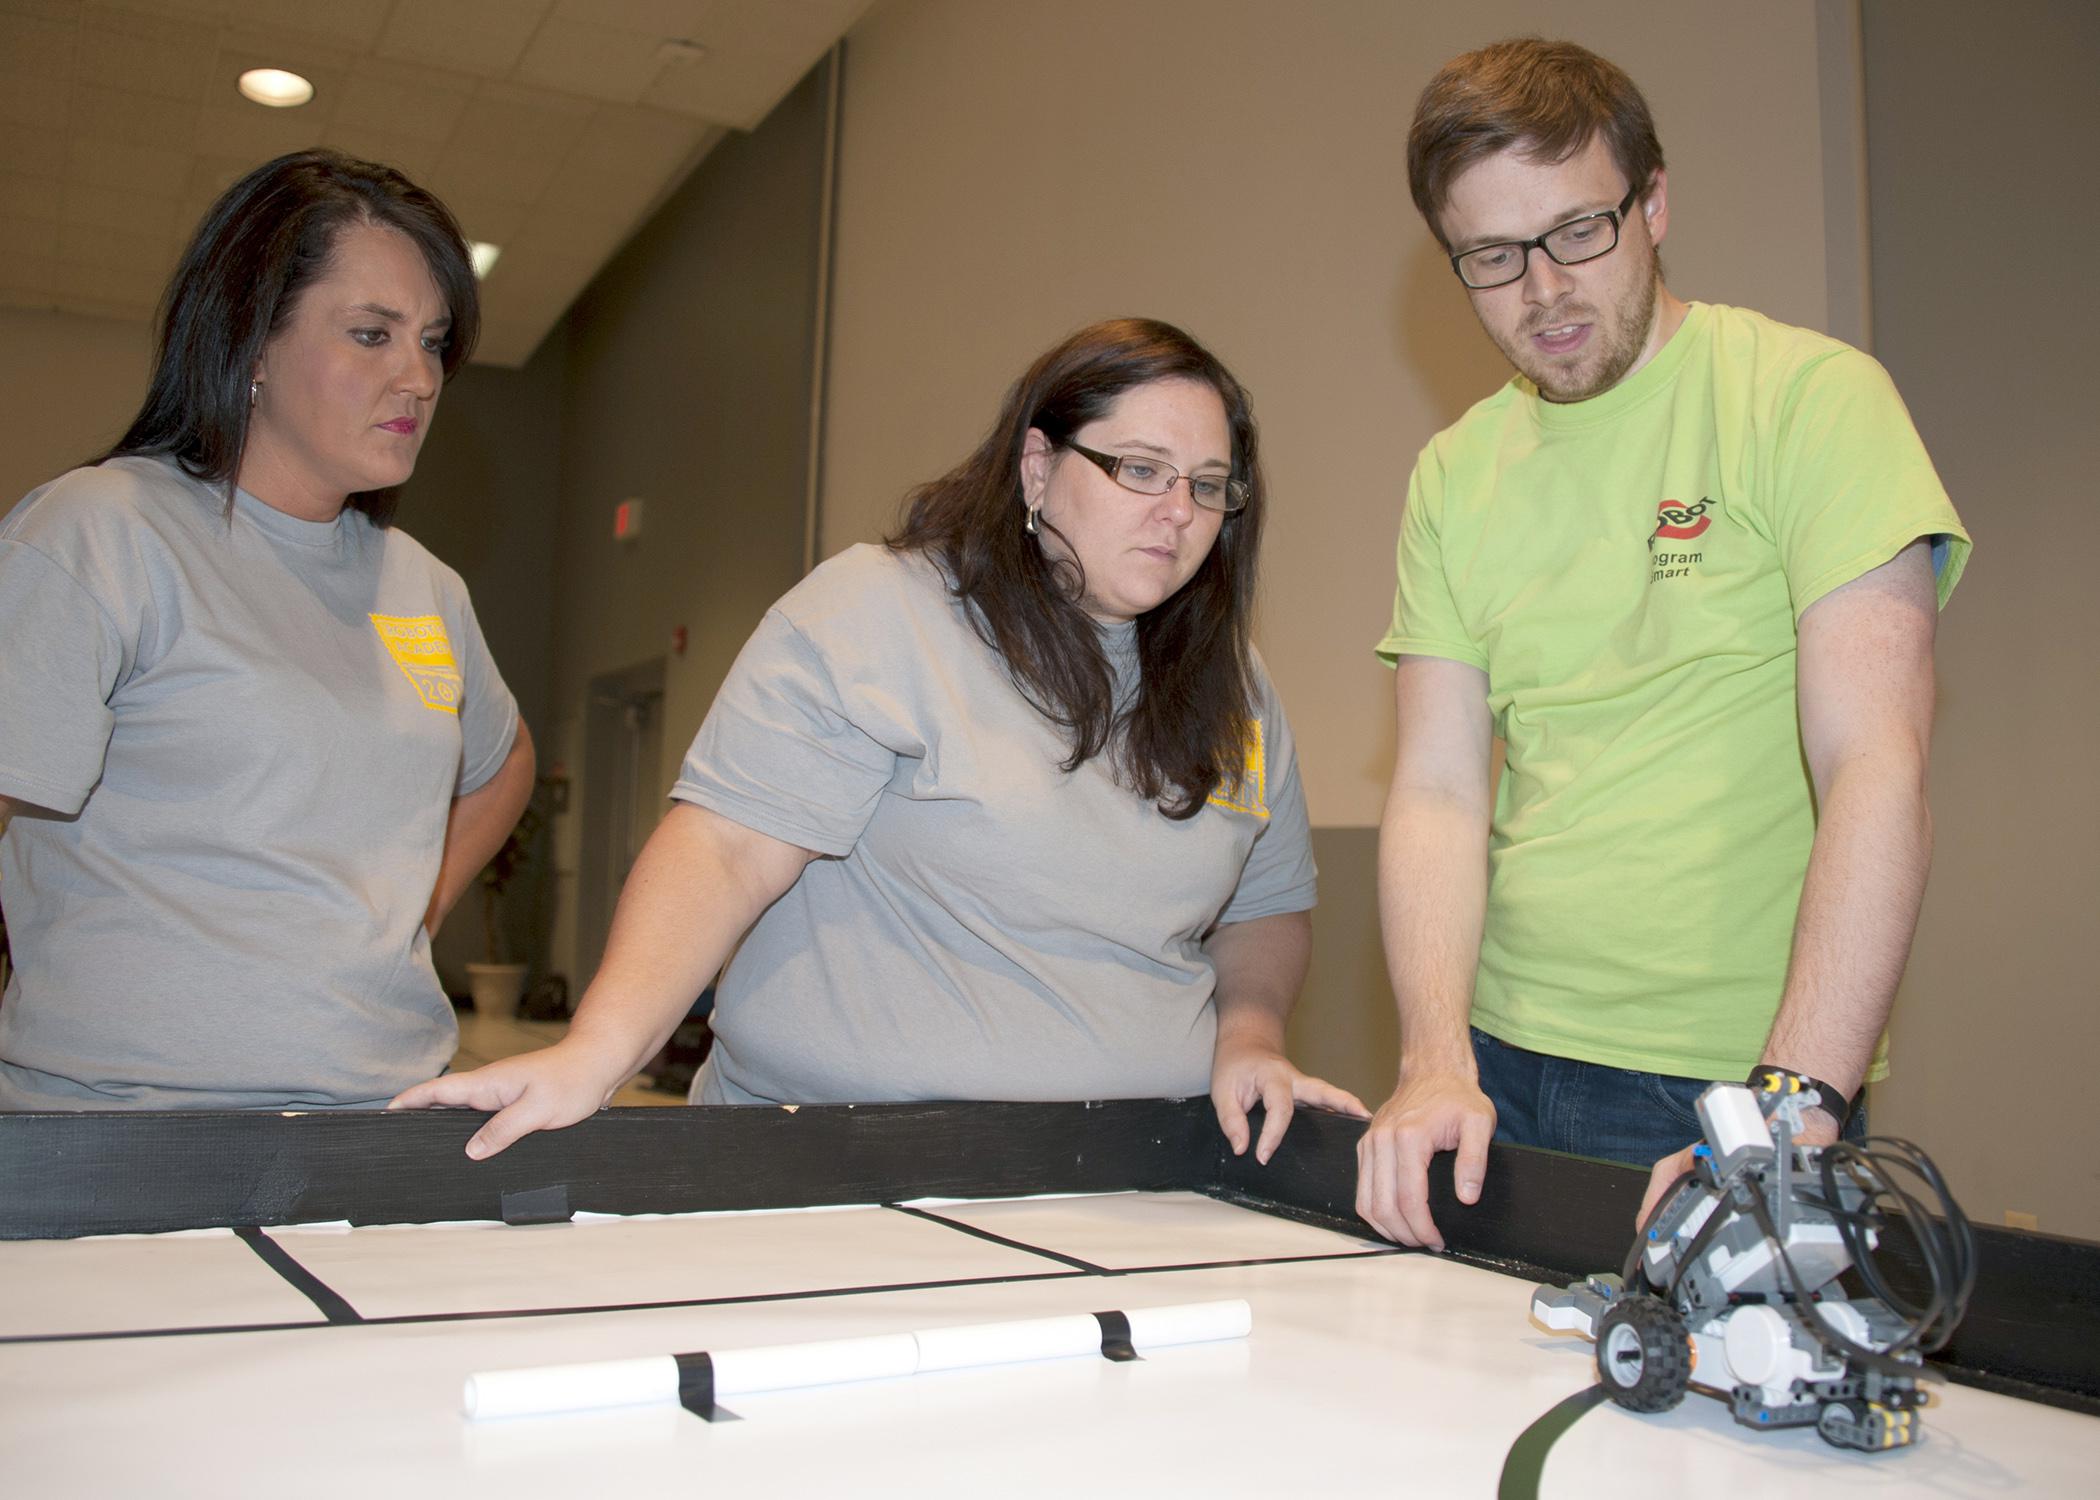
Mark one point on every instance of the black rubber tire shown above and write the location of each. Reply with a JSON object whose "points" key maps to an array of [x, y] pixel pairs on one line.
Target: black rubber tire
{"points": [[1644, 1357], [1832, 1413]]}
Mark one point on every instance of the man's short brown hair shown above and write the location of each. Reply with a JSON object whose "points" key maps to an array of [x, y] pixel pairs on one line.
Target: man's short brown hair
{"points": [[1547, 99]]}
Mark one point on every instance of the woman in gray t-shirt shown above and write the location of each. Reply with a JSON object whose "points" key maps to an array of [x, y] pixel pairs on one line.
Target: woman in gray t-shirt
{"points": [[1006, 809], [251, 740]]}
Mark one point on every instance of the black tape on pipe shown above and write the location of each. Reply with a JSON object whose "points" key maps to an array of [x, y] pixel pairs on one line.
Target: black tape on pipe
{"points": [[1115, 1337], [696, 1388]]}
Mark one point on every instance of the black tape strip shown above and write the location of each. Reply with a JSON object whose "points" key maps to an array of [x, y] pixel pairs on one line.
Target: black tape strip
{"points": [[1115, 1337], [1381, 1253], [571, 1311], [999, 1239], [547, 1205], [1527, 1455], [696, 1388], [586, 1309], [312, 1287]]}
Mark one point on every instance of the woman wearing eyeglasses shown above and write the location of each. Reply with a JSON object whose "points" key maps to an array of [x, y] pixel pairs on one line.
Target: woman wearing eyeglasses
{"points": [[1008, 806]]}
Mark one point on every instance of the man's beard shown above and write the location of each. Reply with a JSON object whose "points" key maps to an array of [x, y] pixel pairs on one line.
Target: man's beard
{"points": [[1618, 352]]}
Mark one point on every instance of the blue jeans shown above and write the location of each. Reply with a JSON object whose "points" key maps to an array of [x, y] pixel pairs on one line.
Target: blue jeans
{"points": [[1590, 1109]]}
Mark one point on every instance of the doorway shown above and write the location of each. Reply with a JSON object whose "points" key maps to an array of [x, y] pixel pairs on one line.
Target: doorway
{"points": [[623, 795]]}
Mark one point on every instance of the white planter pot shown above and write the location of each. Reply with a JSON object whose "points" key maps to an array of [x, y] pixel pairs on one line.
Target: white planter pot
{"points": [[497, 988]]}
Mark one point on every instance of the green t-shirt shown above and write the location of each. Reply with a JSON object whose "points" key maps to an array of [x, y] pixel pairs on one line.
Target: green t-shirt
{"points": [[1629, 572]]}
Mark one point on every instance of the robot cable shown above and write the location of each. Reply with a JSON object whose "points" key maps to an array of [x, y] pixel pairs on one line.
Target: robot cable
{"points": [[1946, 1243]]}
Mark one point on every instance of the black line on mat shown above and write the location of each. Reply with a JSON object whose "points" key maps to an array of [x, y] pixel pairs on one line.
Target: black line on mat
{"points": [[813, 1294], [1527, 1455], [999, 1239], [581, 1310], [1376, 1253], [312, 1287], [192, 1331]]}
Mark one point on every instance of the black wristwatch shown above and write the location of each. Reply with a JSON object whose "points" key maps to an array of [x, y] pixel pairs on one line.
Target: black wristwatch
{"points": [[1770, 1078]]}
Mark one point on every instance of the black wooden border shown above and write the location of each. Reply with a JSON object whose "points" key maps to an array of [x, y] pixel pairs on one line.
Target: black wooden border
{"points": [[64, 1175], [2034, 1321], [2032, 1328], [1540, 1214]]}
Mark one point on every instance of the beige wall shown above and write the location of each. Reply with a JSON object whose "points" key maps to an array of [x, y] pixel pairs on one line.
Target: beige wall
{"points": [[686, 383], [69, 386], [1011, 170], [1998, 1024]]}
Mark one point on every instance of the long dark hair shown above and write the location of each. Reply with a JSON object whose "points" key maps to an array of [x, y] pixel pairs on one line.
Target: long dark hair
{"points": [[1186, 729], [259, 247]]}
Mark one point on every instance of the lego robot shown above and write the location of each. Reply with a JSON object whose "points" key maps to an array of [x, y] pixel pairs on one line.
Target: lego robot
{"points": [[1732, 1286]]}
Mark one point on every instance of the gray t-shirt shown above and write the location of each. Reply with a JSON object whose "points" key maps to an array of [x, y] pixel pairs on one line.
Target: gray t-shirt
{"points": [[984, 925], [253, 729]]}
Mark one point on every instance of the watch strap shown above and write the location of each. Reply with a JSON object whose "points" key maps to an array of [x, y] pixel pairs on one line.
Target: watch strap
{"points": [[1770, 1078]]}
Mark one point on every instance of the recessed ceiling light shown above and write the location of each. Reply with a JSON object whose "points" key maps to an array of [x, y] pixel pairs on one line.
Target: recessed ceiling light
{"points": [[484, 256], [275, 87]]}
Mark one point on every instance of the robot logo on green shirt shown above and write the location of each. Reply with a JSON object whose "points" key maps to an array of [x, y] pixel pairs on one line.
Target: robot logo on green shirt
{"points": [[1680, 522]]}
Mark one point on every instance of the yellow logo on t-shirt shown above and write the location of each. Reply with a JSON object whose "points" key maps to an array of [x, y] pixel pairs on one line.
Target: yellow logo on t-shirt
{"points": [[420, 648], [1251, 793]]}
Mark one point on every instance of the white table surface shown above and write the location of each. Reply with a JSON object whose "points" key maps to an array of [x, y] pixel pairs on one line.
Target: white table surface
{"points": [[1366, 1373]]}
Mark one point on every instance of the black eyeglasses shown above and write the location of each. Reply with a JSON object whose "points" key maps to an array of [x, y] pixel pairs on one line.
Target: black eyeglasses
{"points": [[1568, 244], [1151, 476]]}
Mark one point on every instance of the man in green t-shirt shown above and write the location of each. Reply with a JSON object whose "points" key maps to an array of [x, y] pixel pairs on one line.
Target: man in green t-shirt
{"points": [[1686, 567]]}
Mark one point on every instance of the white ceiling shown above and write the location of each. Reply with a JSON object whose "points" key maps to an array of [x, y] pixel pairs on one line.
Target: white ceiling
{"points": [[551, 127]]}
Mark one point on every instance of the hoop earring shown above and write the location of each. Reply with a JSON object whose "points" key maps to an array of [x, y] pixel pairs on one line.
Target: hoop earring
{"points": [[254, 391], [1030, 526]]}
